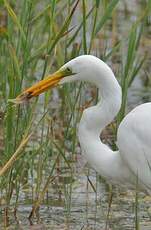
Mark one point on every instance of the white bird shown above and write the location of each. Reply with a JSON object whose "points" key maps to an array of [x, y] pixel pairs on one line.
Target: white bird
{"points": [[132, 162]]}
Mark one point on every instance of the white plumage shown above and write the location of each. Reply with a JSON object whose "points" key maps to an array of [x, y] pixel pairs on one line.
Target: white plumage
{"points": [[132, 162]]}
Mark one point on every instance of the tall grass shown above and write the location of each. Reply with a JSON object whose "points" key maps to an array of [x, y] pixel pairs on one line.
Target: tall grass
{"points": [[36, 38]]}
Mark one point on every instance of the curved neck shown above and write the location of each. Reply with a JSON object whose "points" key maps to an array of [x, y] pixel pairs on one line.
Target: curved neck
{"points": [[95, 118], [93, 121]]}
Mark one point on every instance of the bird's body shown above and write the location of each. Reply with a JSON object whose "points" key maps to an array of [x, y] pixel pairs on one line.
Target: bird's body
{"points": [[134, 143], [131, 164]]}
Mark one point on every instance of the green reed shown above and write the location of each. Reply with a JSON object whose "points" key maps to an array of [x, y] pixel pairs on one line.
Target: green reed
{"points": [[37, 39]]}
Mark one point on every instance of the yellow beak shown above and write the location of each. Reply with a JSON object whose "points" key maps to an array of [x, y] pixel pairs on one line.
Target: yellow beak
{"points": [[49, 82]]}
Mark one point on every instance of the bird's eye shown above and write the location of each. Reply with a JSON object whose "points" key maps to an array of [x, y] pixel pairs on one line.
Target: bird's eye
{"points": [[68, 69]]}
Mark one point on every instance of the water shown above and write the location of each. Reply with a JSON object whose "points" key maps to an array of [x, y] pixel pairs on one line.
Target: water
{"points": [[88, 209], [71, 202]]}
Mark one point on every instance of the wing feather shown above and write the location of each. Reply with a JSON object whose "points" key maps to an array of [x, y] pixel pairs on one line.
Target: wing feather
{"points": [[134, 142]]}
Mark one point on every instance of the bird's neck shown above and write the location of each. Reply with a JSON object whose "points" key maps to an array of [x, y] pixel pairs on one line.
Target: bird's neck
{"points": [[95, 118], [93, 121]]}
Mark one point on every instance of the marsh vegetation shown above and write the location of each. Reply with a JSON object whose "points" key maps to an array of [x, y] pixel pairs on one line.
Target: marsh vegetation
{"points": [[43, 180]]}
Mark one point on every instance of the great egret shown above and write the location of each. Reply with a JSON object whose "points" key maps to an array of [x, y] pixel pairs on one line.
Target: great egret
{"points": [[133, 159]]}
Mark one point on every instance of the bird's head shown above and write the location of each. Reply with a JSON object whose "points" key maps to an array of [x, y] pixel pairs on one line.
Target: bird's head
{"points": [[82, 68]]}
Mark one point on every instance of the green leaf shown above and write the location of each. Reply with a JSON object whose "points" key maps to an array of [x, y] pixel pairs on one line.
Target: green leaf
{"points": [[106, 15]]}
